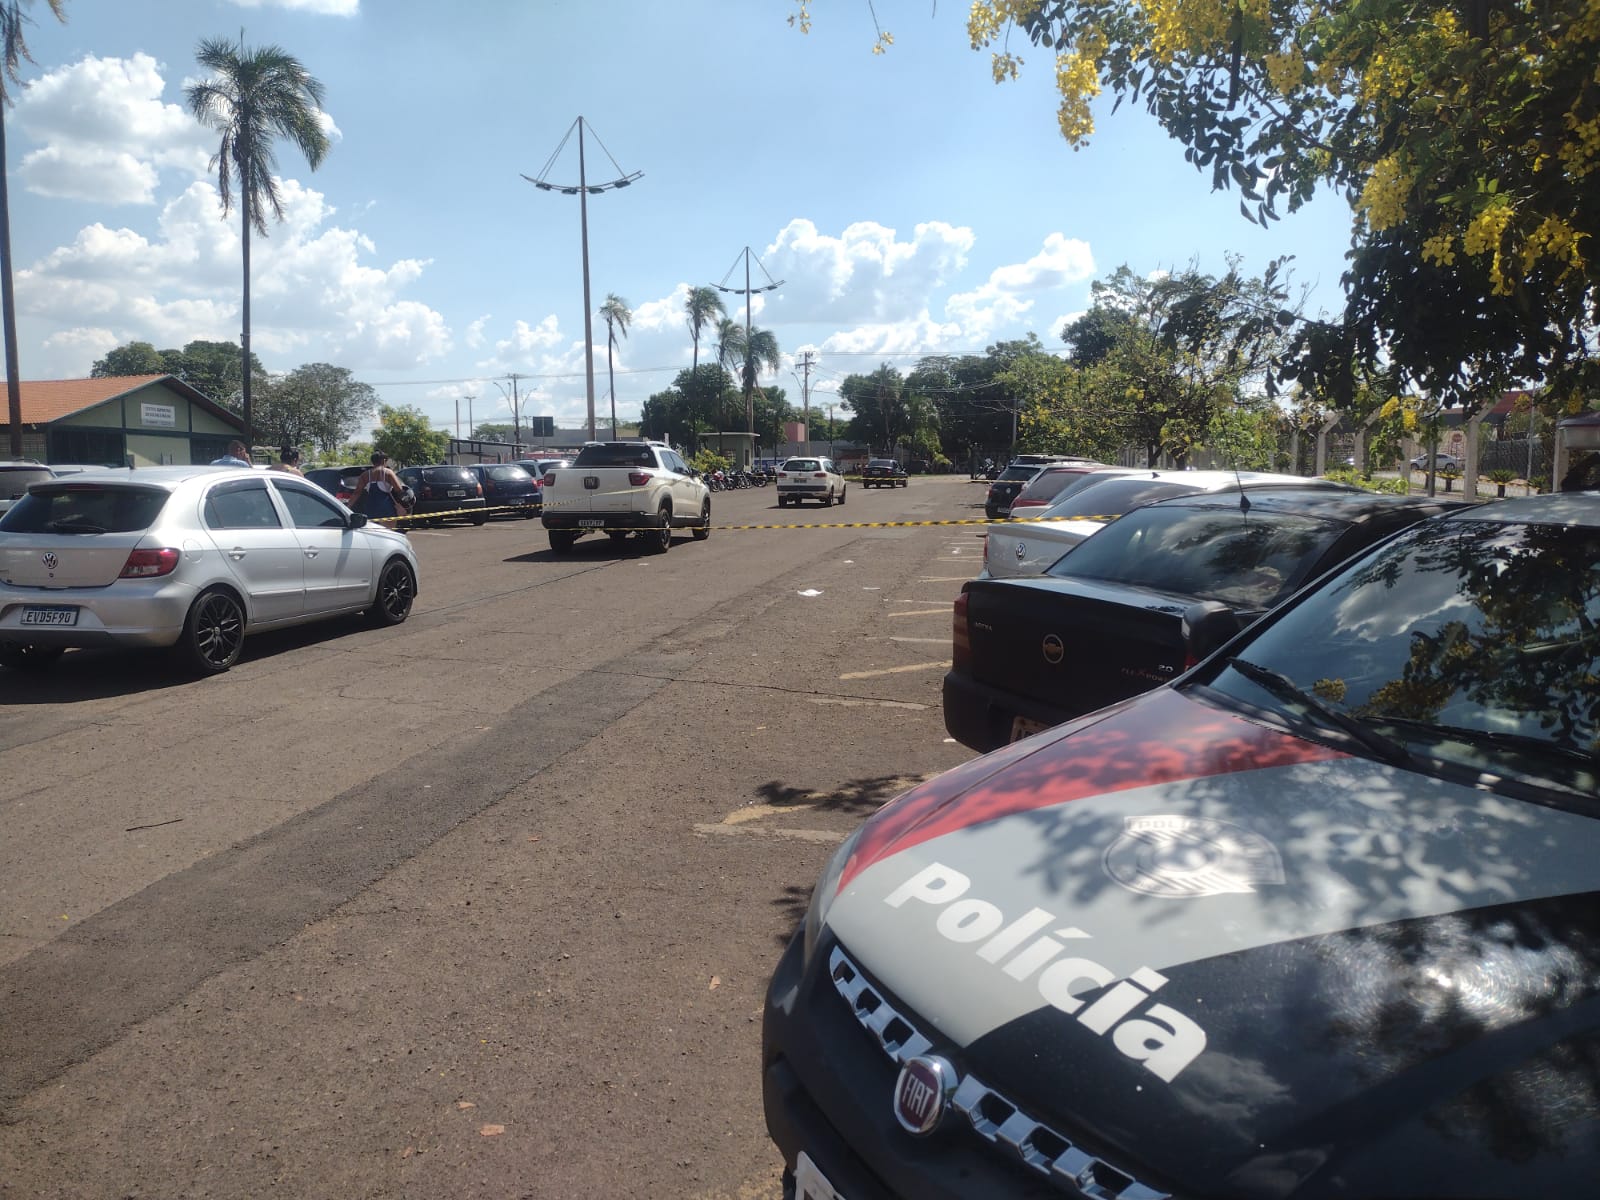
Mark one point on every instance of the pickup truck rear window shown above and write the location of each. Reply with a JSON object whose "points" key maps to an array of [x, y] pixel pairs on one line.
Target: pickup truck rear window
{"points": [[615, 456]]}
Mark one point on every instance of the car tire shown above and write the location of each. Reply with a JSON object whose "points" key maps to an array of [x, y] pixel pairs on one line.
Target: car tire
{"points": [[561, 540], [843, 492], [397, 589], [24, 656], [482, 519], [827, 501], [213, 632], [658, 539], [703, 530]]}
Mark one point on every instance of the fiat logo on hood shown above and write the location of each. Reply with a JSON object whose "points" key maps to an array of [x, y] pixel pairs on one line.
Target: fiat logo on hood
{"points": [[922, 1093], [49, 560], [1053, 648]]}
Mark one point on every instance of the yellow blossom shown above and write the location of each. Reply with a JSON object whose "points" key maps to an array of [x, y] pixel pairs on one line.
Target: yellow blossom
{"points": [[1440, 249], [1383, 199]]}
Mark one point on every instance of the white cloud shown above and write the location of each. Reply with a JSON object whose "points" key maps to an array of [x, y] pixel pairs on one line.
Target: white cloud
{"points": [[106, 132], [475, 338], [866, 273], [1005, 300], [328, 8]]}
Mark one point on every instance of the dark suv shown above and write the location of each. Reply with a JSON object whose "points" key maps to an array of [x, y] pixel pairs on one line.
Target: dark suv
{"points": [[446, 492], [15, 478]]}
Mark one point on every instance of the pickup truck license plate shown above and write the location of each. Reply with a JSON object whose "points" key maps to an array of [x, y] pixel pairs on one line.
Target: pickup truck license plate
{"points": [[809, 1183], [49, 616], [592, 522], [1021, 727], [456, 492]]}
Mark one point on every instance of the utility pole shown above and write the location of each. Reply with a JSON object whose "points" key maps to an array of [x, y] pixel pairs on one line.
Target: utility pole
{"points": [[749, 365], [472, 429], [805, 397], [458, 418]]}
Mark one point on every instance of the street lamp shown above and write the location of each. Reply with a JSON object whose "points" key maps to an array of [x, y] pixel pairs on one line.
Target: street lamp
{"points": [[582, 191]]}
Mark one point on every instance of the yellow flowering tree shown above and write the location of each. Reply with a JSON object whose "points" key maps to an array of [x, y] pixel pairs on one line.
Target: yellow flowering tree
{"points": [[1466, 137]]}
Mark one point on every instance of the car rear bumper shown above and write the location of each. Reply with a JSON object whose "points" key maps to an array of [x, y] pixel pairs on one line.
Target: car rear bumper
{"points": [[128, 613], [803, 490], [984, 718], [600, 520]]}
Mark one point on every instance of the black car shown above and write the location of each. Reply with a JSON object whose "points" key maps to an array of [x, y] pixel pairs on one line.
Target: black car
{"points": [[1105, 622], [338, 482], [15, 478], [509, 486], [1318, 921], [1005, 488], [444, 492], [883, 472]]}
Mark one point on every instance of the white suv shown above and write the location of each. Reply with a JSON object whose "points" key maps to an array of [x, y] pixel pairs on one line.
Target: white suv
{"points": [[809, 479]]}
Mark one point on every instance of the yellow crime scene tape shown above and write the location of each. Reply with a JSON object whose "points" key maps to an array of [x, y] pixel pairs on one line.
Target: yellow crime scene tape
{"points": [[408, 521]]}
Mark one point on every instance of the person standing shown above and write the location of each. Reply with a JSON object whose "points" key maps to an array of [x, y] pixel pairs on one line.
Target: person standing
{"points": [[238, 455], [378, 489], [289, 460]]}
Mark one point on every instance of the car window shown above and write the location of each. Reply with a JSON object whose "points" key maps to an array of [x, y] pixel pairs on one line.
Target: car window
{"points": [[308, 510], [446, 475], [1112, 497], [241, 504], [1047, 485], [803, 464], [1246, 560], [615, 456], [1012, 474], [15, 480], [82, 508], [507, 473]]}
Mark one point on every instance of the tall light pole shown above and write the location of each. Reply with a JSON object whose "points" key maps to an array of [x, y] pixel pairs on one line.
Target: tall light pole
{"points": [[747, 291], [582, 190]]}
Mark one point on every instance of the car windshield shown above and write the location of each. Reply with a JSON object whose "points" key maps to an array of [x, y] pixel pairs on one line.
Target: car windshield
{"points": [[1013, 474], [615, 456], [802, 464], [446, 475], [1047, 485], [84, 508], [1245, 560], [14, 481], [506, 474], [882, 462], [1472, 642]]}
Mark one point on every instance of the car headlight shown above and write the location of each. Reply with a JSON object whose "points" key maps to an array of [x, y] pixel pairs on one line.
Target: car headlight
{"points": [[822, 896]]}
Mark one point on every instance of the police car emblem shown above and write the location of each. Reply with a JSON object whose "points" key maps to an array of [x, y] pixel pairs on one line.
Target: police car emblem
{"points": [[922, 1093], [1185, 857]]}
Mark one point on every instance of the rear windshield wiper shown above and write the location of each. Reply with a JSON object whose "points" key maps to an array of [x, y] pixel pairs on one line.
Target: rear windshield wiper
{"points": [[72, 525], [1284, 688]]}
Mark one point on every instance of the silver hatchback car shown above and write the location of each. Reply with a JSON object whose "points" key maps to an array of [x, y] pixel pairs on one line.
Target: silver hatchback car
{"points": [[188, 557]]}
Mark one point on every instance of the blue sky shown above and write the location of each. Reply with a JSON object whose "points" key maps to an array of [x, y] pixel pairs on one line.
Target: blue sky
{"points": [[909, 205]]}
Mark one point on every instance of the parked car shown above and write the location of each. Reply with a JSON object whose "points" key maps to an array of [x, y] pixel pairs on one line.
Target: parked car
{"points": [[1040, 492], [1004, 489], [1104, 623], [1099, 497], [1316, 920], [15, 476], [509, 486], [809, 479], [338, 482], [1442, 462], [194, 558], [446, 491], [883, 472]]}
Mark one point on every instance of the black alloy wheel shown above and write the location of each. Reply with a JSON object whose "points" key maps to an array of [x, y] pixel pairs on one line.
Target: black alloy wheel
{"points": [[213, 634], [659, 539], [703, 530], [397, 588], [25, 656]]}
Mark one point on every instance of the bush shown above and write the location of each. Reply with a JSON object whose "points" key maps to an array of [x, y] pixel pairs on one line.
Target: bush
{"points": [[707, 461], [1386, 487]]}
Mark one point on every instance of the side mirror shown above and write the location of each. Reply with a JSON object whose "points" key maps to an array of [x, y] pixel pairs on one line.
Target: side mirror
{"points": [[357, 520], [1206, 626]]}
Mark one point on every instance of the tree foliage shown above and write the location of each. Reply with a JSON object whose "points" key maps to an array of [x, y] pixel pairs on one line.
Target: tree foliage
{"points": [[211, 368], [317, 404], [1465, 137], [404, 434]]}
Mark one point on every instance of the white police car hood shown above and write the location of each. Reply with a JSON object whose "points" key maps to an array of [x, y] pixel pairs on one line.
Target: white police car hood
{"points": [[1233, 956]]}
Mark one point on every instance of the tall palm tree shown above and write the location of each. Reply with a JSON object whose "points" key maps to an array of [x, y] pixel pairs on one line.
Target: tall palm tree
{"points": [[751, 349], [254, 95], [13, 51], [705, 309], [617, 314]]}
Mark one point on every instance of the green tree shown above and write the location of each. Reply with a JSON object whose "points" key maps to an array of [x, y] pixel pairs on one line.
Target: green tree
{"points": [[13, 52], [254, 96], [617, 314], [404, 434], [316, 404], [704, 308], [878, 404], [750, 350], [212, 368], [135, 358], [494, 431]]}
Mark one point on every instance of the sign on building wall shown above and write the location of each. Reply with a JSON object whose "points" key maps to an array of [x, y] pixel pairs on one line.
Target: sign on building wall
{"points": [[158, 416]]}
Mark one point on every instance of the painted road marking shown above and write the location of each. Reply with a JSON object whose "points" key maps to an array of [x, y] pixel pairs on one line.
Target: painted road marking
{"points": [[928, 666], [922, 612]]}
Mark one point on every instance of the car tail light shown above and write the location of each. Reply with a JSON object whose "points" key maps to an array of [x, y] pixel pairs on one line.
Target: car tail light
{"points": [[820, 475], [150, 564], [960, 641], [1020, 502], [639, 478], [549, 479]]}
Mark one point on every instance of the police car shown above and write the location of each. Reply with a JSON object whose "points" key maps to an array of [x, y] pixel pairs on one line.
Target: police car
{"points": [[1319, 919]]}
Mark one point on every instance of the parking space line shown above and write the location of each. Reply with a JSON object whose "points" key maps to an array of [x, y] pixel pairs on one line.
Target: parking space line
{"points": [[922, 612], [927, 666]]}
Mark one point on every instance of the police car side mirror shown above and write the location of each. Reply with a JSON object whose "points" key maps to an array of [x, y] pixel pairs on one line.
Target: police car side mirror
{"points": [[1206, 626]]}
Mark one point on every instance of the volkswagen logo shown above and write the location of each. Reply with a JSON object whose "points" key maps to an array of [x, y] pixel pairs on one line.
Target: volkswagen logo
{"points": [[1022, 551], [49, 560], [922, 1093], [1054, 650]]}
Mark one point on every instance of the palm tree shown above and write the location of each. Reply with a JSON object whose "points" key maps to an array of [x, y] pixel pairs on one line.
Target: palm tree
{"points": [[617, 314], [253, 96], [13, 51], [705, 309], [751, 349]]}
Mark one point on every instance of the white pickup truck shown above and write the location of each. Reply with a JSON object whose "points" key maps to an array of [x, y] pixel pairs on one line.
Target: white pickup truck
{"points": [[625, 487]]}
